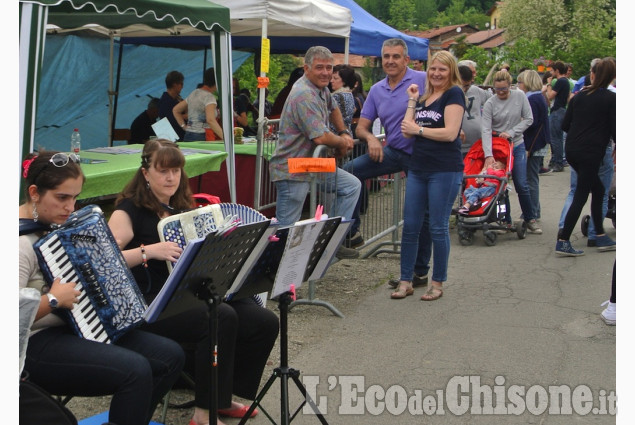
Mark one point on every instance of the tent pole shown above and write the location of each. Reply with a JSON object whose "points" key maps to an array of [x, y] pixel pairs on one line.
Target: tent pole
{"points": [[110, 92], [260, 136], [33, 19], [113, 116], [347, 42], [204, 59], [221, 48]]}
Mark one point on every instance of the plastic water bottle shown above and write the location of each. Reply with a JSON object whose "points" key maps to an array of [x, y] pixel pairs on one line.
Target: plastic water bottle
{"points": [[76, 140]]}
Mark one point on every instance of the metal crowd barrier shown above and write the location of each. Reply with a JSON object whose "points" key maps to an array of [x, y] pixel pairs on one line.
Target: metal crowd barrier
{"points": [[381, 217], [382, 209], [264, 189]]}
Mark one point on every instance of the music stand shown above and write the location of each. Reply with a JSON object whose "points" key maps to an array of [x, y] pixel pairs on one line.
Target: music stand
{"points": [[262, 275], [213, 265], [284, 372], [322, 254]]}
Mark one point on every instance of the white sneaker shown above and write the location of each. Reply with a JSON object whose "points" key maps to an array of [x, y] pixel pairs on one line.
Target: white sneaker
{"points": [[609, 313]]}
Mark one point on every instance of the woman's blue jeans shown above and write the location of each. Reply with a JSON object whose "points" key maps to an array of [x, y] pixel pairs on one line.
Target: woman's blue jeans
{"points": [[533, 182], [434, 193], [193, 137], [519, 176], [291, 194]]}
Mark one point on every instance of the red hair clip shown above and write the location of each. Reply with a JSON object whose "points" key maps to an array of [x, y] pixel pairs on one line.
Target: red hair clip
{"points": [[26, 164]]}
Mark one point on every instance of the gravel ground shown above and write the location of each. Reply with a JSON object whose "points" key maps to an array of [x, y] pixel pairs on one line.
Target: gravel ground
{"points": [[343, 285]]}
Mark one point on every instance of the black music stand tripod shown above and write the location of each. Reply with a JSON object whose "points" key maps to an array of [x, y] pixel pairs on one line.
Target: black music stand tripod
{"points": [[212, 300], [284, 372]]}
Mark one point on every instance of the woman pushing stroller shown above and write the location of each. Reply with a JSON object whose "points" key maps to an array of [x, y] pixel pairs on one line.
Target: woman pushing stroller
{"points": [[509, 113]]}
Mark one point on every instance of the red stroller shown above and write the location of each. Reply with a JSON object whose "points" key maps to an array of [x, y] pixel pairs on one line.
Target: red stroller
{"points": [[489, 215]]}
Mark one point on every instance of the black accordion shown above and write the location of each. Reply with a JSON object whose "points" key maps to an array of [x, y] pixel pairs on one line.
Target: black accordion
{"points": [[83, 250]]}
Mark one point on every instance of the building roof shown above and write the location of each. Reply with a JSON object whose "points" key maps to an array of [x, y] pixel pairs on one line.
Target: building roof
{"points": [[497, 41], [436, 32], [356, 61], [447, 43], [478, 38]]}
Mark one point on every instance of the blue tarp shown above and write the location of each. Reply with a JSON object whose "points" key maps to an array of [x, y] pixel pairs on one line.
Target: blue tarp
{"points": [[75, 81], [368, 33]]}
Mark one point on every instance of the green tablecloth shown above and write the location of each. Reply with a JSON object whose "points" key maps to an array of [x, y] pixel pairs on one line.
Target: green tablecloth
{"points": [[242, 149], [109, 178]]}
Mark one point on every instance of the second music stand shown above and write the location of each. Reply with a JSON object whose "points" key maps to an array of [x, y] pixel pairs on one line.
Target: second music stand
{"points": [[207, 275], [284, 372]]}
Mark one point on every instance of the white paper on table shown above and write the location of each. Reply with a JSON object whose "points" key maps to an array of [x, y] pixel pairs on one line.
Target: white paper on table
{"points": [[302, 237], [163, 129]]}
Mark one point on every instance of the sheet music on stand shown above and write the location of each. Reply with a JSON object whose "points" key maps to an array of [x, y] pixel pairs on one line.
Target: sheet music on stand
{"points": [[330, 250], [305, 245], [319, 248], [251, 262], [215, 261]]}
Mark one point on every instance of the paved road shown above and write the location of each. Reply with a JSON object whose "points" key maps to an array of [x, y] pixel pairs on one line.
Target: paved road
{"points": [[514, 321]]}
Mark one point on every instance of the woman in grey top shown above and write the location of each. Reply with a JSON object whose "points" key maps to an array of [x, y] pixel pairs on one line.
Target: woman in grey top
{"points": [[509, 114], [200, 108]]}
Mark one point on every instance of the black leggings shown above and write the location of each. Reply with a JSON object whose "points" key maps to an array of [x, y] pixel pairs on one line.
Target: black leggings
{"points": [[588, 181], [613, 298]]}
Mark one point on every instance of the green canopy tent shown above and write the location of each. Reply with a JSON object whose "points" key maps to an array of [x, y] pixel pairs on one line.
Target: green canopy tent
{"points": [[117, 18]]}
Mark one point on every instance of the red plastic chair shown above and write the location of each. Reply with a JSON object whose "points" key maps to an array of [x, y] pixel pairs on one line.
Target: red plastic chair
{"points": [[202, 199]]}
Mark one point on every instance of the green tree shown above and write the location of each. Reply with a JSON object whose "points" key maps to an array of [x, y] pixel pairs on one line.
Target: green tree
{"points": [[522, 53], [280, 66], [484, 61], [457, 13], [544, 20], [425, 10], [459, 49], [380, 9], [402, 14], [577, 32], [594, 23]]}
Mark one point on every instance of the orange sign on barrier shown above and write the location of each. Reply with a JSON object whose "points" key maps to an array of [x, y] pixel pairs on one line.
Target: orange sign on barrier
{"points": [[311, 165]]}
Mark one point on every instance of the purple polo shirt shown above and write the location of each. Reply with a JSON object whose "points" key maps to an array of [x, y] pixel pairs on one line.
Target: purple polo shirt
{"points": [[389, 105]]}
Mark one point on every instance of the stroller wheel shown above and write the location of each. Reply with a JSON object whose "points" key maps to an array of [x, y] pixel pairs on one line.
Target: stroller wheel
{"points": [[584, 225], [466, 238], [490, 238], [521, 229]]}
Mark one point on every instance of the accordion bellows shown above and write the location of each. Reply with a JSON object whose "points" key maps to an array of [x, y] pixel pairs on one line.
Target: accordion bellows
{"points": [[200, 222], [83, 250]]}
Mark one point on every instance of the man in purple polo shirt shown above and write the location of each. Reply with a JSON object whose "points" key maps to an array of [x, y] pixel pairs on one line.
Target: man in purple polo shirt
{"points": [[387, 100]]}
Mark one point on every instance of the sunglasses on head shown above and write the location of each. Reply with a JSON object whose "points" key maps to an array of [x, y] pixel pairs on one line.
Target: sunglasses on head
{"points": [[60, 159]]}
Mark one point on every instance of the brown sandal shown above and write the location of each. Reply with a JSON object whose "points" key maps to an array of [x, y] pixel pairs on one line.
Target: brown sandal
{"points": [[403, 290], [433, 293]]}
